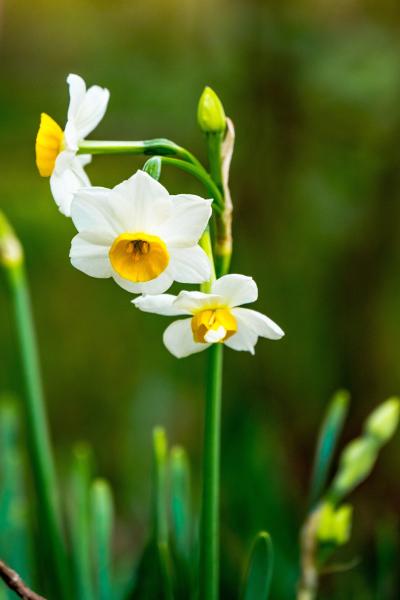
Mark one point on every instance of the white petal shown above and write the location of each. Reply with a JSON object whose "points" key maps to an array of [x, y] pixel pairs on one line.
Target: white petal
{"points": [[161, 304], [215, 335], [178, 339], [194, 302], [84, 159], [92, 210], [189, 217], [89, 254], [77, 91], [86, 110], [156, 286], [189, 265], [251, 325], [68, 177], [244, 339], [259, 323], [236, 289], [145, 202]]}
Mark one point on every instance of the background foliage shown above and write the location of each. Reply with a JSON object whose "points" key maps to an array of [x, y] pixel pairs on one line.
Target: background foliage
{"points": [[314, 90]]}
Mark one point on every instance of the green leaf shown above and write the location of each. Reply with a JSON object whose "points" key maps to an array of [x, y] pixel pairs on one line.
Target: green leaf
{"points": [[154, 580], [160, 456], [327, 440], [259, 570], [181, 521], [80, 522], [180, 501], [102, 524], [15, 535]]}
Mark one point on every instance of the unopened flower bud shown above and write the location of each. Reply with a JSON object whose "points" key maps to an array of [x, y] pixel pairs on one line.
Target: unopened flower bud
{"points": [[335, 525], [11, 253], [356, 463], [210, 113], [382, 423]]}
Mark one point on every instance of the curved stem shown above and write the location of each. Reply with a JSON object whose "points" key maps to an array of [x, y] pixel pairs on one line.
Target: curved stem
{"points": [[200, 174], [209, 526], [157, 146]]}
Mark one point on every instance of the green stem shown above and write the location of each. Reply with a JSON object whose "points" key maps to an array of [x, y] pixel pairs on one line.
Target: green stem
{"points": [[214, 142], [209, 527], [158, 146], [200, 174], [39, 439]]}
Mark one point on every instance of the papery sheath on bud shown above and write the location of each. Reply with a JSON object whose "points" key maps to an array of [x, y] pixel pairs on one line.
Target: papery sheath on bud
{"points": [[210, 112], [382, 423]]}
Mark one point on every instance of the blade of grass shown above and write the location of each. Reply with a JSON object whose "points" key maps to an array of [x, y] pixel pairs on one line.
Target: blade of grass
{"points": [[80, 523], [12, 259], [180, 501], [181, 522], [259, 570], [15, 538], [329, 434], [102, 524], [160, 510]]}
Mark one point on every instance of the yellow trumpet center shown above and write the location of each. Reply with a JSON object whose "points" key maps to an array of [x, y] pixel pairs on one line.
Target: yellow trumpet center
{"points": [[138, 257], [213, 325], [49, 143]]}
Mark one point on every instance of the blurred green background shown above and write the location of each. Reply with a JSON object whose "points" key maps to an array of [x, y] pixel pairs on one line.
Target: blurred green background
{"points": [[313, 88]]}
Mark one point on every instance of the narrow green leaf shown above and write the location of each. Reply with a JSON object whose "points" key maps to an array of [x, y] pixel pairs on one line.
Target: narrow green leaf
{"points": [[15, 536], [80, 523], [102, 524], [259, 569], [180, 501], [327, 440], [160, 457], [166, 570]]}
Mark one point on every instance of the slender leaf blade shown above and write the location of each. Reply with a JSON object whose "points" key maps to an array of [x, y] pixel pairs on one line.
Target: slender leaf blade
{"points": [[329, 434], [102, 525], [259, 571]]}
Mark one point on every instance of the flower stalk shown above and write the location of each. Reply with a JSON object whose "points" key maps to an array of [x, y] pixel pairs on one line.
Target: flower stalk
{"points": [[209, 533], [209, 527], [155, 147], [11, 258]]}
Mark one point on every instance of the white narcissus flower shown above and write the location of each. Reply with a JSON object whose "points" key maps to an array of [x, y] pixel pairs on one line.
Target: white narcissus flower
{"points": [[214, 318], [140, 235], [56, 150]]}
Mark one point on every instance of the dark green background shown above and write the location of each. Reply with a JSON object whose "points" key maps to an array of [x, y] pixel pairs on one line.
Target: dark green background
{"points": [[313, 88]]}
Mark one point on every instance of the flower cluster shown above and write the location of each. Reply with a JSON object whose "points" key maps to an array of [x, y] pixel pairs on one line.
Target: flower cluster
{"points": [[145, 238]]}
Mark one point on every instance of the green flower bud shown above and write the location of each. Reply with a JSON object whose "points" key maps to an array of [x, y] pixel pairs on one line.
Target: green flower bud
{"points": [[335, 525], [210, 112], [383, 421], [11, 253], [356, 463]]}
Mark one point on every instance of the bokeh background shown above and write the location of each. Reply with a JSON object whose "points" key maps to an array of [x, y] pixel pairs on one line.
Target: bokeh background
{"points": [[313, 88]]}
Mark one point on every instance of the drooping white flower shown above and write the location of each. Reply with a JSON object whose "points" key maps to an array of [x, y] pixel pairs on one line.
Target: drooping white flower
{"points": [[56, 150], [216, 317], [140, 235]]}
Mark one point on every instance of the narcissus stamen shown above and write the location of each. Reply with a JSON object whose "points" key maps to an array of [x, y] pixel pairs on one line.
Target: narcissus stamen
{"points": [[213, 325], [138, 257], [49, 144]]}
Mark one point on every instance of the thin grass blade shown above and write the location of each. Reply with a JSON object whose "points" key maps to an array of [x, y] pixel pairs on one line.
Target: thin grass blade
{"points": [[80, 522], [329, 434], [102, 525], [259, 571]]}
